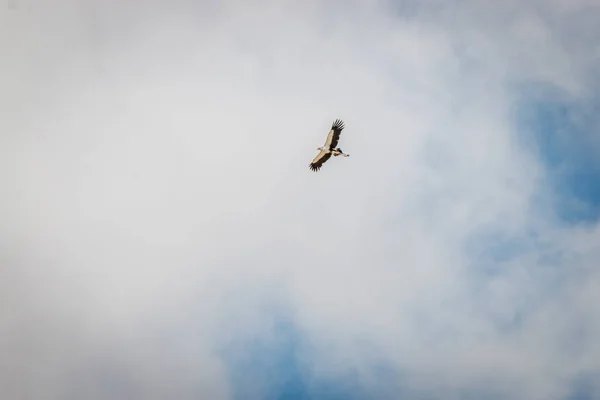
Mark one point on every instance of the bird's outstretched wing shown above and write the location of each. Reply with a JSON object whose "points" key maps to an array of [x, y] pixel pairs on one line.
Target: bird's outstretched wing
{"points": [[334, 134], [319, 160]]}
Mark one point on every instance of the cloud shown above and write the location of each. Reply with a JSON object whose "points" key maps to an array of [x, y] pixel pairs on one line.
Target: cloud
{"points": [[160, 218]]}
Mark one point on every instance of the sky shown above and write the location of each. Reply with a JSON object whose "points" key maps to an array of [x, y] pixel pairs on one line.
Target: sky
{"points": [[161, 235]]}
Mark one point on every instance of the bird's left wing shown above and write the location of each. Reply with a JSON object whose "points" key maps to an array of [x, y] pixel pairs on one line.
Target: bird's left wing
{"points": [[319, 160]]}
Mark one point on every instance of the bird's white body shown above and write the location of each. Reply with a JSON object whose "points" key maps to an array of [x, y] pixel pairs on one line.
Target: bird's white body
{"points": [[335, 152]]}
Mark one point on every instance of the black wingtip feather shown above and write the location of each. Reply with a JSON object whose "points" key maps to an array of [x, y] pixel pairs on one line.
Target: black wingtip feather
{"points": [[338, 124]]}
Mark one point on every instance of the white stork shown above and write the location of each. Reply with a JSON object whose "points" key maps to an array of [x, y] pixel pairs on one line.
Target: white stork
{"points": [[329, 148]]}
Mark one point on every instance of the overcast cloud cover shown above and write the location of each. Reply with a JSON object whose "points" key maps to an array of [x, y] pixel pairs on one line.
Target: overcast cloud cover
{"points": [[163, 238]]}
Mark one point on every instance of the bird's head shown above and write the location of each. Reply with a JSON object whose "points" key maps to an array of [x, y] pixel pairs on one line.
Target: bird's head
{"points": [[319, 148]]}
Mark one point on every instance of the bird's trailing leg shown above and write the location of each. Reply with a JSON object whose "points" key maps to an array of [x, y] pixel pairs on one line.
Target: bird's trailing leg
{"points": [[339, 152]]}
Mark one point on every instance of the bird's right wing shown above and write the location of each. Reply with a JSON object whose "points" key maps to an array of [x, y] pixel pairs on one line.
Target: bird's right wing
{"points": [[334, 134], [319, 160]]}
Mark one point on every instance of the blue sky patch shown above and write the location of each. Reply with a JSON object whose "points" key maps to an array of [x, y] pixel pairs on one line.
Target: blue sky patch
{"points": [[561, 132], [277, 366]]}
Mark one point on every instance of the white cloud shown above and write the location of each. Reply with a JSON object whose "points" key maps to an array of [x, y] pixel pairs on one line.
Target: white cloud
{"points": [[158, 194]]}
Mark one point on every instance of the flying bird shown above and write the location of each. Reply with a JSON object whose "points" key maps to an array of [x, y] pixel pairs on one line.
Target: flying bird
{"points": [[329, 148]]}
